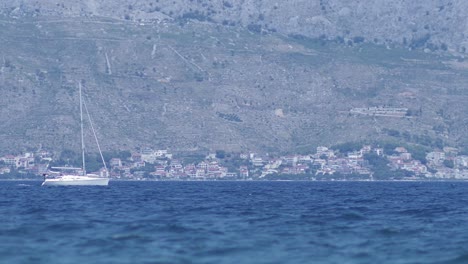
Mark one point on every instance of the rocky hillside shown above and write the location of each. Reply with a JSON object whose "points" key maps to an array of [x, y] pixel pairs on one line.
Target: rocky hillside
{"points": [[430, 24], [232, 75]]}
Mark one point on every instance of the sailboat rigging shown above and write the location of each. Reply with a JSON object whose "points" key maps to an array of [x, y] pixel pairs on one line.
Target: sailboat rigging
{"points": [[80, 178]]}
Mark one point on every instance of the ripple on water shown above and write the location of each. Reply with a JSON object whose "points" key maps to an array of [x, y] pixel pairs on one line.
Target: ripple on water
{"points": [[235, 222]]}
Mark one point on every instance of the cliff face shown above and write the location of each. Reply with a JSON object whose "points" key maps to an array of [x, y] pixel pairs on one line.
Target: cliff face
{"points": [[232, 75]]}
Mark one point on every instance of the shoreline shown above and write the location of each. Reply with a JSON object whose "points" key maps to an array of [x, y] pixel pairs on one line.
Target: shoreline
{"points": [[175, 180]]}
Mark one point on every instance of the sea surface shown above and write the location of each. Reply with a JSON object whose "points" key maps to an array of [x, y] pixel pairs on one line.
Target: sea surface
{"points": [[235, 222]]}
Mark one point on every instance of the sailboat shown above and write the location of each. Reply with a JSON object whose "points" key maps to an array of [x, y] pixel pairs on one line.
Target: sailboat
{"points": [[78, 176]]}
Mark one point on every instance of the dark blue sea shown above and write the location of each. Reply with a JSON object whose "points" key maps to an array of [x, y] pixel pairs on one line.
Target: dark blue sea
{"points": [[235, 222]]}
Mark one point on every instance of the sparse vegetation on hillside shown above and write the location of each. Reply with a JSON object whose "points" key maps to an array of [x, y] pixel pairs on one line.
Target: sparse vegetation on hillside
{"points": [[203, 85]]}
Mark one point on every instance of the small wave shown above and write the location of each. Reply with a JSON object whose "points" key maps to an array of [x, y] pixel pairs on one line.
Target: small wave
{"points": [[23, 185], [34, 210], [62, 227], [124, 237], [95, 242], [388, 231], [352, 216], [359, 208], [177, 228], [18, 231], [423, 212], [462, 259], [223, 251], [246, 213], [362, 255]]}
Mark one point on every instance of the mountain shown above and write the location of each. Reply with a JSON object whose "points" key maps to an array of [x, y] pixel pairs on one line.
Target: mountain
{"points": [[433, 24], [233, 75]]}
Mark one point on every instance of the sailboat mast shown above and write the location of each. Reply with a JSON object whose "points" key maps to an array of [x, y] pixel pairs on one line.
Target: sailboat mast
{"points": [[82, 135]]}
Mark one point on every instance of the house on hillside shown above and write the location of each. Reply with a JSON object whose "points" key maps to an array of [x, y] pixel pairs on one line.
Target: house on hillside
{"points": [[244, 172], [435, 158], [135, 157], [4, 170], [115, 162], [10, 160]]}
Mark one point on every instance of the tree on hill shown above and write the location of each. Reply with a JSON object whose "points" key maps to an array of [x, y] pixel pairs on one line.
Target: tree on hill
{"points": [[381, 169]]}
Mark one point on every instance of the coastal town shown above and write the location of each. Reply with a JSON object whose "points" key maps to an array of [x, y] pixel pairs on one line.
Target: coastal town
{"points": [[365, 163]]}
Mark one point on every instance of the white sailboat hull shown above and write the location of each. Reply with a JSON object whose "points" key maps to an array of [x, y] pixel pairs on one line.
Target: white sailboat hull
{"points": [[76, 180]]}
